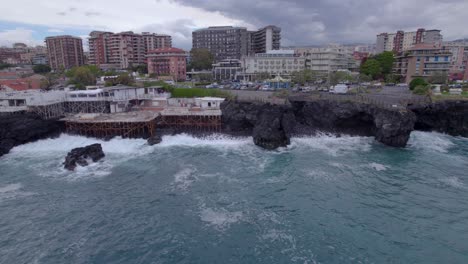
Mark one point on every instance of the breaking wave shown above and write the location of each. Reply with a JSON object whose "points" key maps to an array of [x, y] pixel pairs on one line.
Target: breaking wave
{"points": [[334, 145], [431, 141], [220, 219], [12, 191], [215, 140]]}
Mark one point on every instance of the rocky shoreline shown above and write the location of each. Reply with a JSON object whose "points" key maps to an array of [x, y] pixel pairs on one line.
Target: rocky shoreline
{"points": [[272, 126], [20, 129]]}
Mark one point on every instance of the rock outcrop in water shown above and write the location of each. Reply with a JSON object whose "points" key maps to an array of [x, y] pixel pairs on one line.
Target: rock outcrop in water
{"points": [[449, 117], [156, 139], [273, 125], [270, 125], [20, 129], [83, 156]]}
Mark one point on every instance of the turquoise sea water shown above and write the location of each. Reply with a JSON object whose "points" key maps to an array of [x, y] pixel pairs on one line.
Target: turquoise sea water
{"points": [[222, 200]]}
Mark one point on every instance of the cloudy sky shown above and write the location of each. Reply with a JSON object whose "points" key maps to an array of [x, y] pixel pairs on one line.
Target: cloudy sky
{"points": [[304, 22]]}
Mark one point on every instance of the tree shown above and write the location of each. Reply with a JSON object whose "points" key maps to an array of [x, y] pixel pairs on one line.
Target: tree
{"points": [[124, 79], [339, 77], [141, 69], [364, 78], [386, 60], [45, 85], [417, 82], [303, 77], [438, 77], [391, 78], [422, 90], [4, 65], [371, 68], [201, 59], [41, 68], [83, 76]]}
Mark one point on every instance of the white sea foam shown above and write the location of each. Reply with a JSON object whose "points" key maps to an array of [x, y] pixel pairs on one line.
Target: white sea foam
{"points": [[333, 145], [279, 235], [378, 166], [184, 178], [65, 143], [46, 156], [11, 191], [221, 219], [453, 182], [430, 141], [215, 140]]}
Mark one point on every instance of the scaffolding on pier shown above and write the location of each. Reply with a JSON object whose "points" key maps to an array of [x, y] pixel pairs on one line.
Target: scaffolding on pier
{"points": [[48, 111], [76, 107], [189, 123], [126, 125]]}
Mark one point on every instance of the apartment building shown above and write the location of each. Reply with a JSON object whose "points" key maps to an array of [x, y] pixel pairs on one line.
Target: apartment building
{"points": [[229, 42], [156, 41], [64, 52], [423, 60], [459, 61], [168, 62], [122, 50], [402, 41]]}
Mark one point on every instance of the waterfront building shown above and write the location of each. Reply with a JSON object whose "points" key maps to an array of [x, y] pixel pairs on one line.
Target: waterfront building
{"points": [[229, 42], [226, 70], [273, 62], [423, 60], [64, 52], [402, 41], [168, 62], [123, 50], [331, 58]]}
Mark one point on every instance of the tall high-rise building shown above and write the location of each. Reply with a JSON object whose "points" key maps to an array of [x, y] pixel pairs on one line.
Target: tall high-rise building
{"points": [[125, 49], [64, 52], [265, 39], [229, 42], [403, 41], [156, 41], [223, 42]]}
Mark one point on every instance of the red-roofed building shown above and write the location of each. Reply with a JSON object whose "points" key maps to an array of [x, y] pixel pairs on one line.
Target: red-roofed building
{"points": [[168, 62], [20, 84]]}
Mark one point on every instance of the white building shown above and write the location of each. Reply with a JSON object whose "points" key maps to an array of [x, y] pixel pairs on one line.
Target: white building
{"points": [[327, 59], [274, 62]]}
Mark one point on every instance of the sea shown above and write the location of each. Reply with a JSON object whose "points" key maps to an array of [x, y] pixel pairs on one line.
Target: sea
{"points": [[220, 199]]}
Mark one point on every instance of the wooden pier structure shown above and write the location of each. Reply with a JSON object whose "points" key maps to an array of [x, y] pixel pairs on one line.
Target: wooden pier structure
{"points": [[126, 125], [143, 124]]}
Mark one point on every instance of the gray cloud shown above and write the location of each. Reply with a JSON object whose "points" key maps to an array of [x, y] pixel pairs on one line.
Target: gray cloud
{"points": [[91, 13], [180, 30], [345, 21]]}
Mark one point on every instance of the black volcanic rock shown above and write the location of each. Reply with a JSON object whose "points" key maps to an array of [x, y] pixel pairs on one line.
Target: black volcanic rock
{"points": [[449, 117], [273, 125], [392, 127], [156, 139], [271, 129], [82, 156], [20, 129], [270, 125]]}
